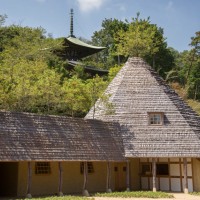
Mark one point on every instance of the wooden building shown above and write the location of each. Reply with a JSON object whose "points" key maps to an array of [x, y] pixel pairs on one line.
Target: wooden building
{"points": [[48, 155], [158, 128], [150, 142]]}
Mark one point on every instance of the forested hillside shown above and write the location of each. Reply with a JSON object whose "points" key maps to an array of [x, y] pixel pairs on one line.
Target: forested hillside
{"points": [[34, 79]]}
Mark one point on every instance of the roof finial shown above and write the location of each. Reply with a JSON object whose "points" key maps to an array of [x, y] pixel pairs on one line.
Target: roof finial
{"points": [[71, 23]]}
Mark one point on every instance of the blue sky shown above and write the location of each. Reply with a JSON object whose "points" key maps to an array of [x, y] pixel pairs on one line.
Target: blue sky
{"points": [[180, 19]]}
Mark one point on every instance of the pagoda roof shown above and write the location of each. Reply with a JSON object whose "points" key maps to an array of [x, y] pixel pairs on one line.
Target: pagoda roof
{"points": [[76, 41], [76, 49], [88, 69]]}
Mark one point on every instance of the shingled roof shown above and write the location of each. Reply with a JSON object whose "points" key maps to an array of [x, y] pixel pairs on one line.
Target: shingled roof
{"points": [[27, 137], [136, 91]]}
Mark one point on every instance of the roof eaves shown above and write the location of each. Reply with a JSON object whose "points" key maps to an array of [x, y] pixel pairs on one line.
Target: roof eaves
{"points": [[83, 44]]}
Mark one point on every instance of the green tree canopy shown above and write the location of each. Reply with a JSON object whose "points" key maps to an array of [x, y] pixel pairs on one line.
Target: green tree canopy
{"points": [[105, 37]]}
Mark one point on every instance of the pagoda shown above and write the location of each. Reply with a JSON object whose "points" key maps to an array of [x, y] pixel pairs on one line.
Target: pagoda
{"points": [[74, 50]]}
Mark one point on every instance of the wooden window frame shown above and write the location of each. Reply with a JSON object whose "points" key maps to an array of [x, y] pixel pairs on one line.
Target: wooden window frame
{"points": [[90, 167], [146, 173], [42, 168], [153, 114]]}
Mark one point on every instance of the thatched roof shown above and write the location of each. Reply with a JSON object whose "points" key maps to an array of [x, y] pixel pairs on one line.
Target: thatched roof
{"points": [[27, 137], [138, 90]]}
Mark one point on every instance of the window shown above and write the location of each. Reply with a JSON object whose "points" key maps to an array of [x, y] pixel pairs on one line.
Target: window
{"points": [[42, 168], [146, 169], [155, 118], [162, 169], [124, 169], [89, 165]]}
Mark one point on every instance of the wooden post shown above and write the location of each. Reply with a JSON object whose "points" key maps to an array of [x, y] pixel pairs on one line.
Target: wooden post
{"points": [[28, 195], [85, 180], [154, 174], [127, 175], [108, 188], [185, 186], [60, 193]]}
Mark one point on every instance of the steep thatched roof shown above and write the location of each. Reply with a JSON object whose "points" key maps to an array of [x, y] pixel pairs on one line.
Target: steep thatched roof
{"points": [[25, 136], [138, 90]]}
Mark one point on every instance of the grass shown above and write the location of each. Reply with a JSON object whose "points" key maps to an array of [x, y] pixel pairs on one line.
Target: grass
{"points": [[195, 193], [195, 105], [137, 194], [60, 198]]}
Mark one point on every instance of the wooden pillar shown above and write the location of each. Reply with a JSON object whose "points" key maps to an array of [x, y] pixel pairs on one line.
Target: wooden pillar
{"points": [[60, 193], [127, 175], [154, 173], [28, 195], [85, 179], [108, 185], [185, 185]]}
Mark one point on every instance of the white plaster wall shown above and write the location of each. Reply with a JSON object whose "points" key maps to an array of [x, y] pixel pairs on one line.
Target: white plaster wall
{"points": [[175, 184], [174, 170], [190, 184], [143, 159], [164, 184], [151, 183], [163, 159], [189, 169], [174, 159], [144, 183]]}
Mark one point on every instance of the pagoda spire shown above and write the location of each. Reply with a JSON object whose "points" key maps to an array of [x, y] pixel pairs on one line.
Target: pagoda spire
{"points": [[71, 23]]}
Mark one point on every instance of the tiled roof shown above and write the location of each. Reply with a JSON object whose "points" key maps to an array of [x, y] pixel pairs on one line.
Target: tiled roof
{"points": [[25, 136], [134, 92], [78, 42]]}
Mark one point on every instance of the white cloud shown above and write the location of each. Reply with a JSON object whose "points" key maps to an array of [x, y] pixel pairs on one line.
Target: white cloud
{"points": [[88, 5]]}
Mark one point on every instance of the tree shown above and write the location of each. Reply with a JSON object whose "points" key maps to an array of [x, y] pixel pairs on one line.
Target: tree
{"points": [[76, 97], [105, 37], [29, 86], [135, 38], [146, 40], [27, 82], [187, 68], [2, 19], [139, 40]]}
